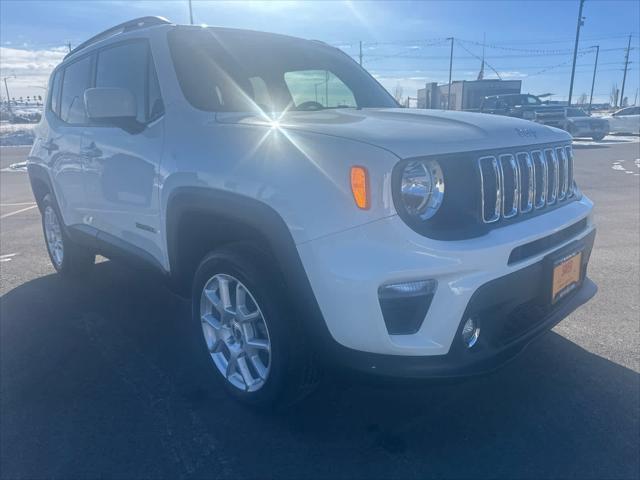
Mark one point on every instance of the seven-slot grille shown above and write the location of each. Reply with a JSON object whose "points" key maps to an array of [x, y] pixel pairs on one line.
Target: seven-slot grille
{"points": [[514, 184]]}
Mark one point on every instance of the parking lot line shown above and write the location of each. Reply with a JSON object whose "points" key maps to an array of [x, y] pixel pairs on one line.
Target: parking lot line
{"points": [[10, 214]]}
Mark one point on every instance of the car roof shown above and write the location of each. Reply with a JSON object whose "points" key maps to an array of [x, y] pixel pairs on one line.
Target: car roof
{"points": [[113, 34]]}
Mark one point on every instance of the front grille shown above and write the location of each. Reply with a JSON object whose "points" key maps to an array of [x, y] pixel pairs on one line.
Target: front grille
{"points": [[518, 183]]}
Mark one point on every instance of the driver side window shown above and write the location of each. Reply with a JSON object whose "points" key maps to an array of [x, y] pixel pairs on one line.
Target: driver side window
{"points": [[318, 87]]}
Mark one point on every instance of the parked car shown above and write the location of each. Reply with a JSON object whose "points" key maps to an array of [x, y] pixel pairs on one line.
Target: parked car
{"points": [[625, 120], [312, 222], [526, 106], [581, 124]]}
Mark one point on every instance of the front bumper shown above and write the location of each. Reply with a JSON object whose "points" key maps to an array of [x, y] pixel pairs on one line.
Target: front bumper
{"points": [[489, 354], [588, 130], [345, 271]]}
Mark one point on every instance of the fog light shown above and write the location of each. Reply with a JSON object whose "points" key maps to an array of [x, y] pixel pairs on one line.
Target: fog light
{"points": [[470, 333]]}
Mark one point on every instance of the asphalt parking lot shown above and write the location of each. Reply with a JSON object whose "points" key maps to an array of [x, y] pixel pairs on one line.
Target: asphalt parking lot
{"points": [[98, 379]]}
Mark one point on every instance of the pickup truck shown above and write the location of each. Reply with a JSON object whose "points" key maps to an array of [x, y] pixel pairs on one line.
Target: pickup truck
{"points": [[527, 107]]}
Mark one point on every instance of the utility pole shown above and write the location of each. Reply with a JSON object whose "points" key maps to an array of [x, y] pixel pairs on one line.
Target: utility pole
{"points": [[593, 82], [624, 77], [190, 13], [575, 50], [69, 46], [450, 69], [360, 52]]}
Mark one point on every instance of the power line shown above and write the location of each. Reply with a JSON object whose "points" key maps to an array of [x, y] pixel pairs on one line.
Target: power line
{"points": [[566, 40], [496, 44], [478, 58], [524, 50], [443, 57]]}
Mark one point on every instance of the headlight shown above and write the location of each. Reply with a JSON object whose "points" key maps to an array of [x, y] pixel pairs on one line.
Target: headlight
{"points": [[422, 188]]}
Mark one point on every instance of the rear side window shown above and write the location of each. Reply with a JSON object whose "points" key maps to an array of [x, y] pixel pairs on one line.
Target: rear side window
{"points": [[54, 103], [77, 78]]}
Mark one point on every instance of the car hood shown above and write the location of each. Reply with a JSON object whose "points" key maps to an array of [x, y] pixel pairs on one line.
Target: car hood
{"points": [[411, 132]]}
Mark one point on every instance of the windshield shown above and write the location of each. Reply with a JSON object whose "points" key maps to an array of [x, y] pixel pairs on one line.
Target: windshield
{"points": [[531, 100], [236, 71]]}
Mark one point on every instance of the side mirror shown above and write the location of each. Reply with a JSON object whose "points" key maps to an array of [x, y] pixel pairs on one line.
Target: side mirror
{"points": [[113, 106]]}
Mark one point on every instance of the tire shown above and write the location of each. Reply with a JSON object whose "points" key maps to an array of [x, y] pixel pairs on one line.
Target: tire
{"points": [[67, 257], [284, 371], [598, 137]]}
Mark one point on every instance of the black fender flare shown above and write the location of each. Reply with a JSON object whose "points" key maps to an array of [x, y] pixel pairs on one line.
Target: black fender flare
{"points": [[273, 230], [38, 173]]}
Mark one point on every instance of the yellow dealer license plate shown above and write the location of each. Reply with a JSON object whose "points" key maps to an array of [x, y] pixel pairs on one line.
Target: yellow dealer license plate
{"points": [[566, 275]]}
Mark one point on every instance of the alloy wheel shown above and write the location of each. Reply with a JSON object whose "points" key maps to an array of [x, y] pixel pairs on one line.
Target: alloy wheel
{"points": [[53, 235], [235, 332]]}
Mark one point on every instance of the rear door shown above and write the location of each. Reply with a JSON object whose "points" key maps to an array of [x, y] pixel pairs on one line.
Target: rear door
{"points": [[122, 168], [67, 119]]}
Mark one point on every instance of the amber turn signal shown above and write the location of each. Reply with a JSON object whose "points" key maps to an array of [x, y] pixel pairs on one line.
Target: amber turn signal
{"points": [[360, 186]]}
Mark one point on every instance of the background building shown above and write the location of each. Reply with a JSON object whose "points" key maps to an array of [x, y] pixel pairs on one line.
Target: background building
{"points": [[465, 95]]}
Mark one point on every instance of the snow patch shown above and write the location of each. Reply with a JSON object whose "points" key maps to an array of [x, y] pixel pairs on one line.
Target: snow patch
{"points": [[16, 134]]}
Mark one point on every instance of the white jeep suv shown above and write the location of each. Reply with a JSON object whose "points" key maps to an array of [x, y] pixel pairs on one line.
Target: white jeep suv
{"points": [[313, 222]]}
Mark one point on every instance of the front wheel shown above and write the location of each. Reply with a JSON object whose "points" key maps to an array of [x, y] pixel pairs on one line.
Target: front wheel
{"points": [[255, 347], [598, 137], [66, 256]]}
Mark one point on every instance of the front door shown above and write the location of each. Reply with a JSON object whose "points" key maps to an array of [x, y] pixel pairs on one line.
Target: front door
{"points": [[122, 168]]}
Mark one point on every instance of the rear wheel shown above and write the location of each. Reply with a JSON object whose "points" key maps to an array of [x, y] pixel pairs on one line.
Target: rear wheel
{"points": [[66, 256], [255, 347]]}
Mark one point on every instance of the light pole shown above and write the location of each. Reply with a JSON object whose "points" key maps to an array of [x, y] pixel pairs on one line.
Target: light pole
{"points": [[6, 88], [575, 50], [593, 82], [450, 69]]}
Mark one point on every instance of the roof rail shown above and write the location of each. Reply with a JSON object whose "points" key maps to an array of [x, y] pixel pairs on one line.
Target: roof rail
{"points": [[142, 22]]}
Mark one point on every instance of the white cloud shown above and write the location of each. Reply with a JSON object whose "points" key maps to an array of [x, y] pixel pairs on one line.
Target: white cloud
{"points": [[30, 67], [19, 60], [410, 85], [512, 74]]}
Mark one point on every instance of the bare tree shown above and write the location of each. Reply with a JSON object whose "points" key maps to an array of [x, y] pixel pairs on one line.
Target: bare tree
{"points": [[397, 93], [613, 95], [583, 99]]}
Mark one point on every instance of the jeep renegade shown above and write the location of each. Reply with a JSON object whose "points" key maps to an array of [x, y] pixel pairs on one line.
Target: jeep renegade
{"points": [[312, 221]]}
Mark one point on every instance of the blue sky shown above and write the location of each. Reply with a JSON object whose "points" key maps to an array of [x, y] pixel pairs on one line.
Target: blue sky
{"points": [[404, 42]]}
